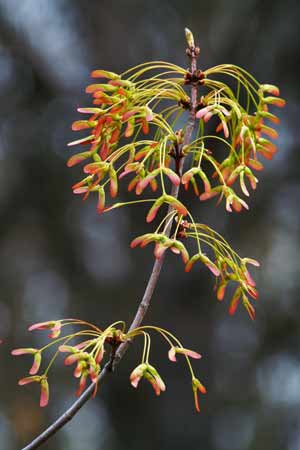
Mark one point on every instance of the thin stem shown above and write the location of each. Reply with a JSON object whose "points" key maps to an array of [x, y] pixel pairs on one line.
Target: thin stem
{"points": [[144, 304]]}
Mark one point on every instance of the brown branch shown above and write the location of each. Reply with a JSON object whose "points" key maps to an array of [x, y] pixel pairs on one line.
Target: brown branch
{"points": [[145, 302]]}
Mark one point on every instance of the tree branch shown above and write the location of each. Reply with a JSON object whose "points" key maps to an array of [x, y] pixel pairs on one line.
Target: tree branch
{"points": [[152, 282]]}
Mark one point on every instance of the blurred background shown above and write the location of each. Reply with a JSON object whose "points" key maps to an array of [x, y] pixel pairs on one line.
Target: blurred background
{"points": [[60, 259]]}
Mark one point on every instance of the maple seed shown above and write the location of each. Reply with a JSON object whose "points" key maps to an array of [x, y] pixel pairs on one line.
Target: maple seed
{"points": [[182, 351], [197, 386]]}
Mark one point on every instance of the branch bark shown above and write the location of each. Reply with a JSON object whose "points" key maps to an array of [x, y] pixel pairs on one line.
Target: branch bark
{"points": [[145, 302]]}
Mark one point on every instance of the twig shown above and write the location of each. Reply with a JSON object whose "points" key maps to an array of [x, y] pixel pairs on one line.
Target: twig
{"points": [[144, 304]]}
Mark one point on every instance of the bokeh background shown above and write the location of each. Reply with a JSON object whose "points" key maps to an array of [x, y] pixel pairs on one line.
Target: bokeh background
{"points": [[60, 259]]}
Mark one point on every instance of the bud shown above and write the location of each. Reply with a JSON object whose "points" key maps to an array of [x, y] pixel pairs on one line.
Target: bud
{"points": [[189, 38]]}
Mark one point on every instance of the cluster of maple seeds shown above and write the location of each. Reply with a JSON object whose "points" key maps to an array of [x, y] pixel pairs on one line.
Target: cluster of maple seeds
{"points": [[247, 143], [125, 113], [121, 106], [88, 355], [227, 265]]}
